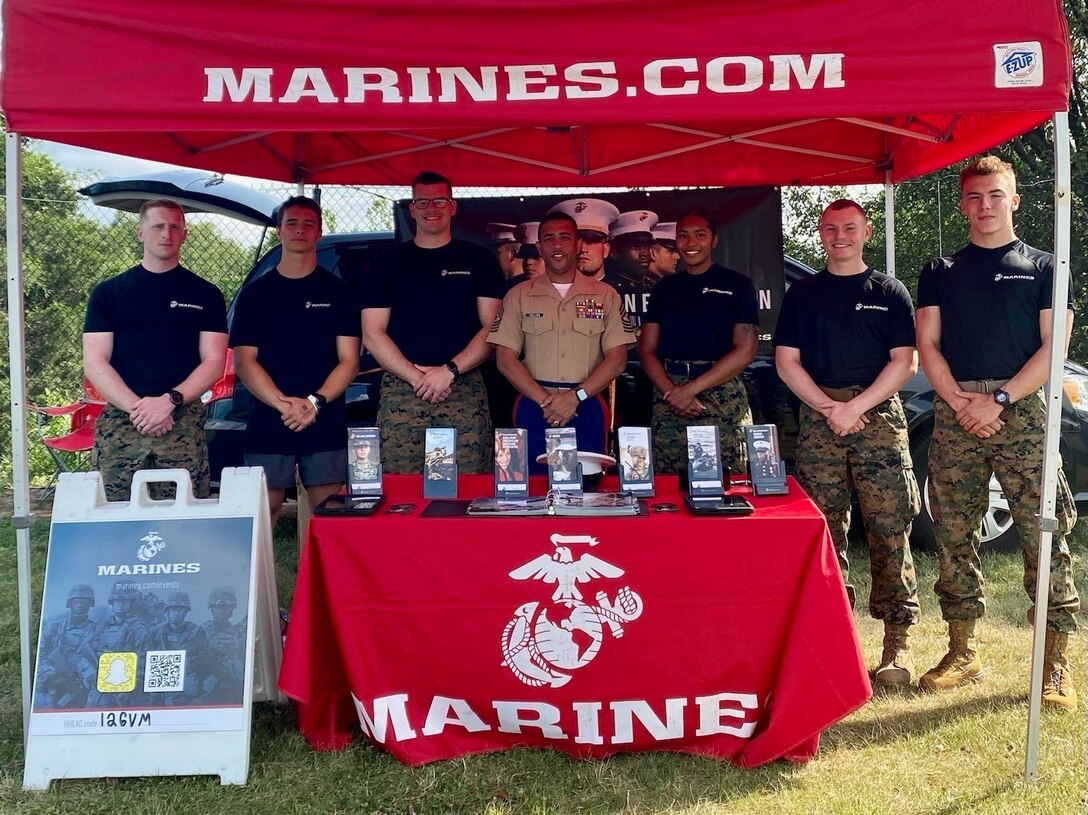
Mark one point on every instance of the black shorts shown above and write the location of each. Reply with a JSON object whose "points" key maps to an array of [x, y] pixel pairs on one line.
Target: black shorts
{"points": [[314, 468]]}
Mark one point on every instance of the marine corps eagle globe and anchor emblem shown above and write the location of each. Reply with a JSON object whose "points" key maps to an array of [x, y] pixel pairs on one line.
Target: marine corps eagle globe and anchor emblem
{"points": [[544, 641]]}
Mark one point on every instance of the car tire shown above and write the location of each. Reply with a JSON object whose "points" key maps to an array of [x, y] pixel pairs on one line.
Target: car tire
{"points": [[998, 531]]}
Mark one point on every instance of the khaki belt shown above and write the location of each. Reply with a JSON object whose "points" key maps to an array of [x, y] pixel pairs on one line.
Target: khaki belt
{"points": [[842, 394], [981, 385]]}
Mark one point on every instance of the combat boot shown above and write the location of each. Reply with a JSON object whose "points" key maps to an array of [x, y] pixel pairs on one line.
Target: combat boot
{"points": [[896, 662], [961, 664], [1058, 690]]}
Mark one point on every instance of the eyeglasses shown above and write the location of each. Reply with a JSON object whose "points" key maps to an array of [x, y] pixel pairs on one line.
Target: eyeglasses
{"points": [[423, 203]]}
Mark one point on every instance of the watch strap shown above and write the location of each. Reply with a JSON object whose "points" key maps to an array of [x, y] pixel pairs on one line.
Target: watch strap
{"points": [[451, 366], [318, 401]]}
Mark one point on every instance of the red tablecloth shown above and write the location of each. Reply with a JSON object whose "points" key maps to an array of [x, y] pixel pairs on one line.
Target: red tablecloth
{"points": [[726, 637]]}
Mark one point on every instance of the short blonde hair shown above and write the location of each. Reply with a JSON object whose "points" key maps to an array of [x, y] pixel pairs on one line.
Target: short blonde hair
{"points": [[988, 165], [160, 203]]}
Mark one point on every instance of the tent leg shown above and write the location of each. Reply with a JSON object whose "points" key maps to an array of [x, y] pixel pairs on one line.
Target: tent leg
{"points": [[1047, 502], [21, 516], [889, 224]]}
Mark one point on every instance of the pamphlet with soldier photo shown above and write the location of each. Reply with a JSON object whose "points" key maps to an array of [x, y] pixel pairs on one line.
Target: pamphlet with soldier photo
{"points": [[564, 471], [511, 463], [765, 463], [364, 461], [636, 468], [144, 617], [704, 460], [440, 462]]}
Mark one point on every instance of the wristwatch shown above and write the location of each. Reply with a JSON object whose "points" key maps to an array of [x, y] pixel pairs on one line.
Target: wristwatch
{"points": [[176, 399], [1002, 397], [318, 401], [451, 366], [581, 394]]}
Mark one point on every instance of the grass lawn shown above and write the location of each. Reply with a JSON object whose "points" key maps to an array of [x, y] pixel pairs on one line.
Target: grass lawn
{"points": [[961, 752]]}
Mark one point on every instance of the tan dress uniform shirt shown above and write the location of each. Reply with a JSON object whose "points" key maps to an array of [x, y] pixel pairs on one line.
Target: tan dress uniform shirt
{"points": [[562, 339]]}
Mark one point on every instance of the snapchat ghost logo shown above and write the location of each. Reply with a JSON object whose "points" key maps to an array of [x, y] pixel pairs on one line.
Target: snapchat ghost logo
{"points": [[116, 672]]}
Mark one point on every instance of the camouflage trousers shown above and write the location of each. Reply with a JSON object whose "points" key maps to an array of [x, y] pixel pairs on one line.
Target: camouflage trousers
{"points": [[403, 416], [726, 407], [876, 462], [120, 450], [960, 466]]}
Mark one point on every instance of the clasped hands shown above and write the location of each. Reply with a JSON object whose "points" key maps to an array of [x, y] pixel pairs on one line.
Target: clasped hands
{"points": [[153, 415], [844, 418], [559, 408], [683, 401], [978, 413], [297, 412], [436, 384]]}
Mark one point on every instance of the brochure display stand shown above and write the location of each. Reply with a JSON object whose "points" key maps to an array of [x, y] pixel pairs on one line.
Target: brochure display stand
{"points": [[636, 470], [564, 469], [440, 462], [704, 462], [511, 464], [159, 629], [765, 464], [364, 476]]}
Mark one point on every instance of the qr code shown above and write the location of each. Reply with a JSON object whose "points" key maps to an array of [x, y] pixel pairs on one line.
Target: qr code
{"points": [[165, 672]]}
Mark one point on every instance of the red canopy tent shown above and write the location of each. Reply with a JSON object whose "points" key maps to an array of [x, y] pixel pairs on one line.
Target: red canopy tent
{"points": [[592, 92], [609, 92]]}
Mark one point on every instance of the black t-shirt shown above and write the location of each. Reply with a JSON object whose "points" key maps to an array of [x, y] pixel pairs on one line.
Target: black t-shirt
{"points": [[156, 319], [845, 326], [431, 294], [697, 313], [990, 301], [293, 324]]}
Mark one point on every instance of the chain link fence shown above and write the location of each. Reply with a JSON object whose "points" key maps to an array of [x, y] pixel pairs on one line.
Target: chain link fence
{"points": [[70, 244]]}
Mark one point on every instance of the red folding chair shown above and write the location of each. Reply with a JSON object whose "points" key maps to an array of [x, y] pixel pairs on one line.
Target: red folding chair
{"points": [[70, 451]]}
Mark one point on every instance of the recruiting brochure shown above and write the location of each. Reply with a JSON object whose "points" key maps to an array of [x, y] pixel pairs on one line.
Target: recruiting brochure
{"points": [[765, 463], [511, 463], [636, 468], [704, 460], [440, 463], [564, 471], [364, 461], [144, 626]]}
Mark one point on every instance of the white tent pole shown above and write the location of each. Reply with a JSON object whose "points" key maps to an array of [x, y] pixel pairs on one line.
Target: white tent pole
{"points": [[889, 224], [20, 483], [1047, 501]]}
